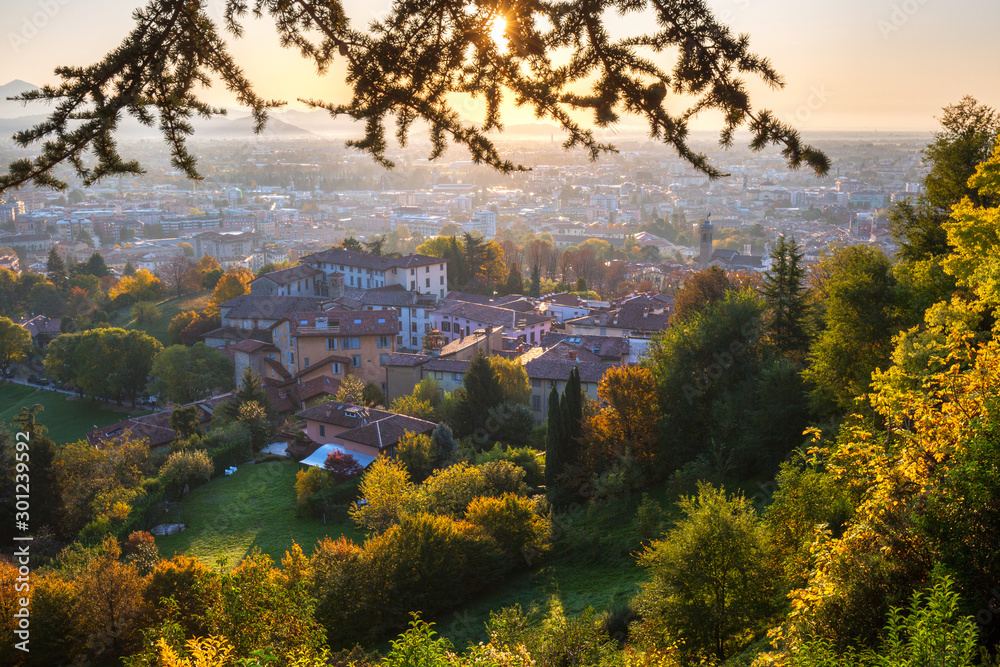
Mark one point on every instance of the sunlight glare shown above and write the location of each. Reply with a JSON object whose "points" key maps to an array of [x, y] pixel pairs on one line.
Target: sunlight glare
{"points": [[498, 32]]}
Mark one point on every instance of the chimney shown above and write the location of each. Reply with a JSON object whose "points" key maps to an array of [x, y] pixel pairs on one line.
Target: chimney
{"points": [[572, 356]]}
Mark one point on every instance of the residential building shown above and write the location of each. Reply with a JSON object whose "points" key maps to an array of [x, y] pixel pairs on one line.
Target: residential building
{"points": [[417, 273], [337, 342], [461, 319], [360, 430]]}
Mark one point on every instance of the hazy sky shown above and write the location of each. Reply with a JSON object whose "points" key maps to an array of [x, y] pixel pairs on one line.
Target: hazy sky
{"points": [[849, 64]]}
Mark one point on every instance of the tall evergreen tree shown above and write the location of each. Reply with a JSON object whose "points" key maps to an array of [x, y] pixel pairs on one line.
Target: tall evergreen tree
{"points": [[784, 291], [536, 282], [515, 282], [555, 442], [483, 391], [56, 269]]}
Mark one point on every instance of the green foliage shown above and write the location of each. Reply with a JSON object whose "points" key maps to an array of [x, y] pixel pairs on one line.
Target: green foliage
{"points": [[372, 395], [387, 490], [189, 468], [145, 312], [699, 291], [784, 291], [184, 421], [523, 457], [15, 342], [412, 406], [931, 631], [186, 374], [712, 586], [861, 318], [419, 454], [482, 392]]}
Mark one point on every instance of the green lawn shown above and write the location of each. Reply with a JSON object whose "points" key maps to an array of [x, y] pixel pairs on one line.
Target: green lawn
{"points": [[168, 309], [67, 417], [255, 507]]}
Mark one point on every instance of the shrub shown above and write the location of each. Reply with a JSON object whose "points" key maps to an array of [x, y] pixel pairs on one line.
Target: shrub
{"points": [[342, 467], [511, 521], [512, 422], [524, 457], [419, 453], [187, 468]]}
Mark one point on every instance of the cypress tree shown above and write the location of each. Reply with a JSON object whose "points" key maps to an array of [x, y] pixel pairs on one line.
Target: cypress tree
{"points": [[554, 442], [536, 281]]}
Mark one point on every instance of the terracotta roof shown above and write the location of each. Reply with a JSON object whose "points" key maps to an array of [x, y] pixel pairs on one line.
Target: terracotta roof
{"points": [[256, 306], [250, 345], [392, 295], [498, 317], [447, 365], [608, 348], [154, 428], [341, 414], [360, 259], [386, 432], [41, 324], [290, 275], [238, 334], [403, 359], [277, 367], [324, 384], [345, 323], [329, 359], [558, 369]]}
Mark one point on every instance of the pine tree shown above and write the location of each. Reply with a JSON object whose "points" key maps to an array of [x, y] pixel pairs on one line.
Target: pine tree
{"points": [[536, 282], [784, 291], [129, 269], [56, 269], [155, 75], [483, 391], [515, 283]]}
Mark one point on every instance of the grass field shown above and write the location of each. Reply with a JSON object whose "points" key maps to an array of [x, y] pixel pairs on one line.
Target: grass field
{"points": [[68, 418], [168, 309], [255, 507]]}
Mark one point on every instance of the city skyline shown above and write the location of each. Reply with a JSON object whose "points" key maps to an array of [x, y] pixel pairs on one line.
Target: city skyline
{"points": [[869, 65]]}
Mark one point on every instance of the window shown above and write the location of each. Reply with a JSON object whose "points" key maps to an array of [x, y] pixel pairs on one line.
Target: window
{"points": [[536, 403], [383, 341], [352, 343], [399, 340], [307, 362], [356, 360], [428, 282], [335, 367], [382, 358], [536, 383], [427, 269], [446, 326], [457, 377], [413, 341], [291, 357], [331, 343], [413, 326], [322, 431], [413, 271], [413, 285], [438, 375], [442, 281], [381, 320]]}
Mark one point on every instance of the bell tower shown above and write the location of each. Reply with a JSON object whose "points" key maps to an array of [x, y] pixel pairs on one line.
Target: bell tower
{"points": [[705, 233]]}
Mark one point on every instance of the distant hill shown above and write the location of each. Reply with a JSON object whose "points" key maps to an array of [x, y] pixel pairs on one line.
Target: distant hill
{"points": [[216, 128], [9, 109]]}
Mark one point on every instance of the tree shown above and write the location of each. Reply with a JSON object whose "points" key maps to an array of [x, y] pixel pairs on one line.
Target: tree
{"points": [[186, 248], [418, 452], [234, 283], [483, 391], [140, 286], [556, 454], [628, 422], [46, 299], [186, 374], [8, 292], [352, 244], [515, 283], [784, 291], [351, 390], [342, 466], [55, 268], [374, 247], [107, 362], [181, 275], [418, 83], [536, 282], [184, 420], [387, 487], [860, 320], [145, 312], [700, 290], [711, 584], [15, 342], [372, 395], [513, 379]]}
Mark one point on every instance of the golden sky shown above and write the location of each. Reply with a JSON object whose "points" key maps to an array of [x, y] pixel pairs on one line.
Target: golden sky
{"points": [[851, 64]]}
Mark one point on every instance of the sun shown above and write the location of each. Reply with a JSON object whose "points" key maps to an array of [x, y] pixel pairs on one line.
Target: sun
{"points": [[498, 32]]}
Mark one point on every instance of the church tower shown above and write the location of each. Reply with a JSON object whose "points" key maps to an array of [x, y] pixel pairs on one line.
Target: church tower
{"points": [[705, 231]]}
